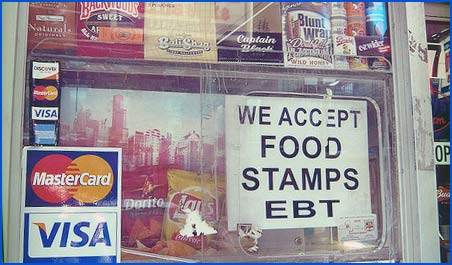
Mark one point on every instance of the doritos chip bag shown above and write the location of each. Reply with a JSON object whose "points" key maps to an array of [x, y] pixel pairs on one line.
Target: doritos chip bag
{"points": [[143, 207], [188, 190]]}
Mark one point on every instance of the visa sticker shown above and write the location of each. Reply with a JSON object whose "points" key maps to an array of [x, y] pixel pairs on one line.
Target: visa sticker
{"points": [[71, 237], [44, 113]]}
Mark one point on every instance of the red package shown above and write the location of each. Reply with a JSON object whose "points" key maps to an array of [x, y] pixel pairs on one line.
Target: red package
{"points": [[51, 26], [143, 207], [110, 29]]}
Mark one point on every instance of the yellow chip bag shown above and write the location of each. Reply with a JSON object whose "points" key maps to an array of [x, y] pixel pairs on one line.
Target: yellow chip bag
{"points": [[188, 190]]}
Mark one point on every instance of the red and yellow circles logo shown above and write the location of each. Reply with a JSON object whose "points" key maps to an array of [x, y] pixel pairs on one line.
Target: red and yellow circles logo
{"points": [[57, 178], [45, 93]]}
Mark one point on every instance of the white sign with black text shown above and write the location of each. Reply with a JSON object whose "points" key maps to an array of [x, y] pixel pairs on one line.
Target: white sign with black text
{"points": [[357, 228], [296, 162], [442, 153]]}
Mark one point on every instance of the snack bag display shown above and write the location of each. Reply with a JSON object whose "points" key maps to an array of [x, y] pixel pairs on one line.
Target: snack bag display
{"points": [[143, 208], [188, 190]]}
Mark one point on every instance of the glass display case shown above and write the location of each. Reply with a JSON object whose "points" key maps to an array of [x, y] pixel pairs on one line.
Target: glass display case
{"points": [[247, 132]]}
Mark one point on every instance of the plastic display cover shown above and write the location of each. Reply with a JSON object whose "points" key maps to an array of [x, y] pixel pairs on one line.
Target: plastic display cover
{"points": [[232, 151], [300, 158], [303, 164]]}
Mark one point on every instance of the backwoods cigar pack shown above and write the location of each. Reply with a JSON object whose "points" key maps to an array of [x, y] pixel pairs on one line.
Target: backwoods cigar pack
{"points": [[110, 29]]}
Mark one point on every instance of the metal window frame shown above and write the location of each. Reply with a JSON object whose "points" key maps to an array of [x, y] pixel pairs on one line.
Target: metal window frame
{"points": [[419, 227], [415, 240]]}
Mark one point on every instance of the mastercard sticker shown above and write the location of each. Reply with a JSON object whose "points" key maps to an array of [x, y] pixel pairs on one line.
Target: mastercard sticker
{"points": [[49, 93], [72, 177]]}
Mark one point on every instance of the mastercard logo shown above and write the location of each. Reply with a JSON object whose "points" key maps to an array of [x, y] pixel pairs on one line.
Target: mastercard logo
{"points": [[45, 93], [57, 178]]}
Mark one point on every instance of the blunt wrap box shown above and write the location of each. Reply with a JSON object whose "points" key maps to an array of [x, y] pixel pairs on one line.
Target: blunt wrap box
{"points": [[307, 39]]}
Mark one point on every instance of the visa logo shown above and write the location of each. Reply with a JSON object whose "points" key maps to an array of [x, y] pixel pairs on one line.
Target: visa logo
{"points": [[42, 113], [73, 235], [62, 235]]}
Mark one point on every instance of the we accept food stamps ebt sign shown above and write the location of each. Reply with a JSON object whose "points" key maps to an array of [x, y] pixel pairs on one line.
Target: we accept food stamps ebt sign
{"points": [[71, 204], [296, 162]]}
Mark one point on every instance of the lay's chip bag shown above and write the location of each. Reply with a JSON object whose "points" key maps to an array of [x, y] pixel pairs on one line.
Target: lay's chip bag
{"points": [[188, 190]]}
